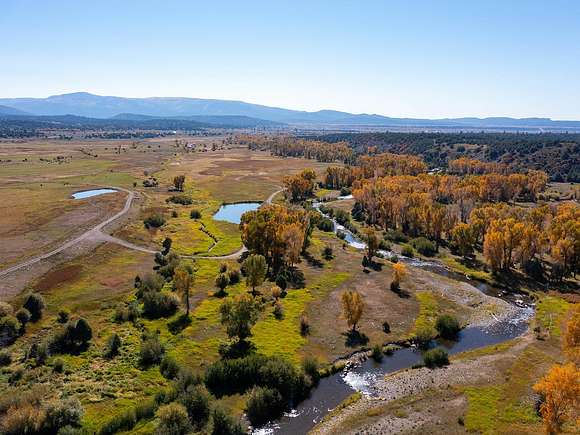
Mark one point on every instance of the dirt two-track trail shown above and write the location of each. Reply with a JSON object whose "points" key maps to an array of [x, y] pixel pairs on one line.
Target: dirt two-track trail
{"points": [[97, 234]]}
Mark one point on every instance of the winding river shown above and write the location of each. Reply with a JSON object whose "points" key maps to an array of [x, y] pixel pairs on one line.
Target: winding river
{"points": [[332, 390]]}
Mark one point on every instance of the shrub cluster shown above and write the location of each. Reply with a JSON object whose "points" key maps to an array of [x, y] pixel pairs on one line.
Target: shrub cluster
{"points": [[127, 312], [195, 214], [396, 236], [424, 246], [113, 346], [173, 419], [159, 304], [169, 367], [447, 326], [407, 251], [151, 351], [31, 415], [73, 336], [239, 375], [435, 358], [263, 404], [325, 224], [180, 199], [155, 220]]}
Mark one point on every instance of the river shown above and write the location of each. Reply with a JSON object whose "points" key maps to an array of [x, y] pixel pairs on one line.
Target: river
{"points": [[332, 390]]}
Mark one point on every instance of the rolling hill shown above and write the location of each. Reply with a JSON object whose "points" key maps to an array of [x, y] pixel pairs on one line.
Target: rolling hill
{"points": [[96, 106]]}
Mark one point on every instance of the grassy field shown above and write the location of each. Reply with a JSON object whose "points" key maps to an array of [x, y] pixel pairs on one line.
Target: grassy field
{"points": [[93, 284]]}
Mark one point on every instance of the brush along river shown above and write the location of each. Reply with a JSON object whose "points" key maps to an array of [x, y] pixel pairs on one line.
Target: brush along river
{"points": [[361, 374]]}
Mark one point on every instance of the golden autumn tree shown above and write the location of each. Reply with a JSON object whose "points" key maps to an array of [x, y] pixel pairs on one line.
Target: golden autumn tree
{"points": [[300, 186], [560, 389], [571, 342], [263, 232], [352, 308], [463, 238], [182, 281], [502, 239], [399, 272], [293, 236]]}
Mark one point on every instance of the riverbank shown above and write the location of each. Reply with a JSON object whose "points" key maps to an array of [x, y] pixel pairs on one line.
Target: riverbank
{"points": [[403, 402]]}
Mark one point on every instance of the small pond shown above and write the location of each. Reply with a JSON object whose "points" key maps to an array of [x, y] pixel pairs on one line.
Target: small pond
{"points": [[94, 192], [233, 212]]}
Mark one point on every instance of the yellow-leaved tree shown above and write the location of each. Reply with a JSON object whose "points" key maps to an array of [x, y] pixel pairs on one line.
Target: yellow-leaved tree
{"points": [[352, 308], [560, 389]]}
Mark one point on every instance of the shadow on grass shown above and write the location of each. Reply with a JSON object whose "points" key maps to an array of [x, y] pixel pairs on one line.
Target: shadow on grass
{"points": [[237, 349], [177, 325], [403, 294], [312, 260], [355, 338]]}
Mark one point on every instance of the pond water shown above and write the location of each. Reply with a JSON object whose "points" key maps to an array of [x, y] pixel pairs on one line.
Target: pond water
{"points": [[233, 212], [332, 390], [94, 192]]}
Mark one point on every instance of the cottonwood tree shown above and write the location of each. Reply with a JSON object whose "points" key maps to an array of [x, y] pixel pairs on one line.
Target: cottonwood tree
{"points": [[463, 238], [179, 182], [399, 272], [255, 269], [352, 308], [293, 236], [572, 335], [182, 280], [560, 389], [373, 243], [240, 315]]}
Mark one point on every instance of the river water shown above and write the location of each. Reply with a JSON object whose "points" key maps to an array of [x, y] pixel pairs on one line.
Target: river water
{"points": [[331, 391]]}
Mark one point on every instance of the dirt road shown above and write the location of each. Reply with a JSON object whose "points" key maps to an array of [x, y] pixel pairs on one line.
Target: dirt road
{"points": [[96, 234]]}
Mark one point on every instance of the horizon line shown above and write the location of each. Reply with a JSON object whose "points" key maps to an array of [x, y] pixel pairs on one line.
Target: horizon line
{"points": [[440, 118]]}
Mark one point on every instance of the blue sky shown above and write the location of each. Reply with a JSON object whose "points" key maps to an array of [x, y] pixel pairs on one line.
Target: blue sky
{"points": [[398, 58]]}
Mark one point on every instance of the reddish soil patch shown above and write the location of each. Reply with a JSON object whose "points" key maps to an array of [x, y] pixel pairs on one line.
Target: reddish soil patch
{"points": [[58, 277]]}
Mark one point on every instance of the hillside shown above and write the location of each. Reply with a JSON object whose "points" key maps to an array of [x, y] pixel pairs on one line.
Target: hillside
{"points": [[557, 154], [96, 106]]}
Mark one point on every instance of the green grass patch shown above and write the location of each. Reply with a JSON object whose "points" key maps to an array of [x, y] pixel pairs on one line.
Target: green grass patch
{"points": [[486, 350], [482, 411], [459, 267], [503, 407], [550, 312], [282, 337], [428, 311]]}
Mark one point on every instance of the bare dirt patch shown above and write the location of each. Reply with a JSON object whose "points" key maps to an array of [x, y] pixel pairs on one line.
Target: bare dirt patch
{"points": [[58, 277]]}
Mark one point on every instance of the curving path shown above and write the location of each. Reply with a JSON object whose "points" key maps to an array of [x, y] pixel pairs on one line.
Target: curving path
{"points": [[96, 234], [243, 249]]}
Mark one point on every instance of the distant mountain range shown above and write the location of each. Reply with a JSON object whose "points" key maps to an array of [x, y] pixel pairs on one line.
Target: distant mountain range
{"points": [[241, 114]]}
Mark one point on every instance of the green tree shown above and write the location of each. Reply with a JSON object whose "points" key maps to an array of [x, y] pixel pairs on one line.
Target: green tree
{"points": [[173, 420], [221, 281], [240, 315], [373, 243], [255, 268], [182, 280], [35, 305]]}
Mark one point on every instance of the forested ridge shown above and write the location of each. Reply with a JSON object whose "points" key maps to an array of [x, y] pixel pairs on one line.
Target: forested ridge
{"points": [[558, 154]]}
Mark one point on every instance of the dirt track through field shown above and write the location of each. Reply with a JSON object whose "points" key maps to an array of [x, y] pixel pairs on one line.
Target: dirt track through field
{"points": [[96, 234]]}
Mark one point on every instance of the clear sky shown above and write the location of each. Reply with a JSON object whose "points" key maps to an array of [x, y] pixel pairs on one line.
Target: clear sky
{"points": [[412, 58]]}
